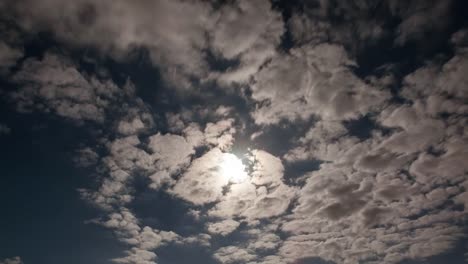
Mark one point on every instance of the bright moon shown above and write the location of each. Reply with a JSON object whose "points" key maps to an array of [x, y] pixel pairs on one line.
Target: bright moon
{"points": [[232, 168]]}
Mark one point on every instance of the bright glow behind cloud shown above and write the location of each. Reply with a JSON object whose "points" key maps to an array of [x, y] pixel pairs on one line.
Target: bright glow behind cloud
{"points": [[232, 168]]}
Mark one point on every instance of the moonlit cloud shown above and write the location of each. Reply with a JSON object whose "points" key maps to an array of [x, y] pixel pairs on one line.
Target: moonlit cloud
{"points": [[258, 132]]}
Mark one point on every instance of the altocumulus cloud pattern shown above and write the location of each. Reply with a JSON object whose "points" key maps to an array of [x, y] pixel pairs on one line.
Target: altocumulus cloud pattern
{"points": [[238, 131]]}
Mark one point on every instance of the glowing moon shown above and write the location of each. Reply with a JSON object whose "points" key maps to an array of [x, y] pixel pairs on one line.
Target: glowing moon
{"points": [[232, 168]]}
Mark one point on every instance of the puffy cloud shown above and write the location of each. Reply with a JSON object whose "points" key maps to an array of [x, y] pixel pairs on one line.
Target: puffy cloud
{"points": [[248, 32], [172, 31], [327, 140], [171, 153], [130, 127], [203, 181], [263, 195], [137, 256], [241, 30], [143, 240], [223, 228], [264, 242], [313, 80], [400, 193], [267, 169], [220, 134], [54, 84], [450, 166], [233, 254], [378, 199], [200, 239]]}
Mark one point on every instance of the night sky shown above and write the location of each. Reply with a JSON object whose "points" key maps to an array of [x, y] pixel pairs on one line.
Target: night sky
{"points": [[233, 132]]}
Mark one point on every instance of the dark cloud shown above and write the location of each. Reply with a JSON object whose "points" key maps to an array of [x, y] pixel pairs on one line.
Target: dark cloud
{"points": [[15, 260], [4, 129]]}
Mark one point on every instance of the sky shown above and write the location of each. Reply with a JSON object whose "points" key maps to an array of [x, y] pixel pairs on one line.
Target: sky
{"points": [[233, 132]]}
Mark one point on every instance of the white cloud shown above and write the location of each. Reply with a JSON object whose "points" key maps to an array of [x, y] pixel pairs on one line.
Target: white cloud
{"points": [[142, 240], [130, 127], [171, 152], [263, 195], [313, 80], [223, 228], [137, 256], [54, 84], [220, 134], [203, 181], [247, 31], [176, 33], [233, 254], [172, 31]]}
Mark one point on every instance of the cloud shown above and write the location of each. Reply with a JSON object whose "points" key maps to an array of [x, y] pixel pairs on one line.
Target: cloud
{"points": [[248, 32], [223, 228], [130, 127], [137, 256], [86, 157], [54, 84], [379, 198], [4, 129], [165, 30], [357, 27], [233, 254], [312, 81], [220, 134], [420, 17], [9, 55], [263, 195], [203, 182], [172, 31], [15, 260], [171, 152], [142, 240], [398, 192]]}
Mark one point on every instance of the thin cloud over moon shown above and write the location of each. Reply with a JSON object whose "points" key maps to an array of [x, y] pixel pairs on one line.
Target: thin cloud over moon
{"points": [[253, 132]]}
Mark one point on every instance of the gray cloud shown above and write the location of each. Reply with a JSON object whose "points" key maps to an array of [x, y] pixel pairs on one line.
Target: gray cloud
{"points": [[54, 84], [173, 31], [8, 55], [313, 80], [14, 260], [420, 17], [4, 129], [176, 33]]}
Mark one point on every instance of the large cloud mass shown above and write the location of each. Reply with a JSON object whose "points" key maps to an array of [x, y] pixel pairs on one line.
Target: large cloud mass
{"points": [[346, 154]]}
